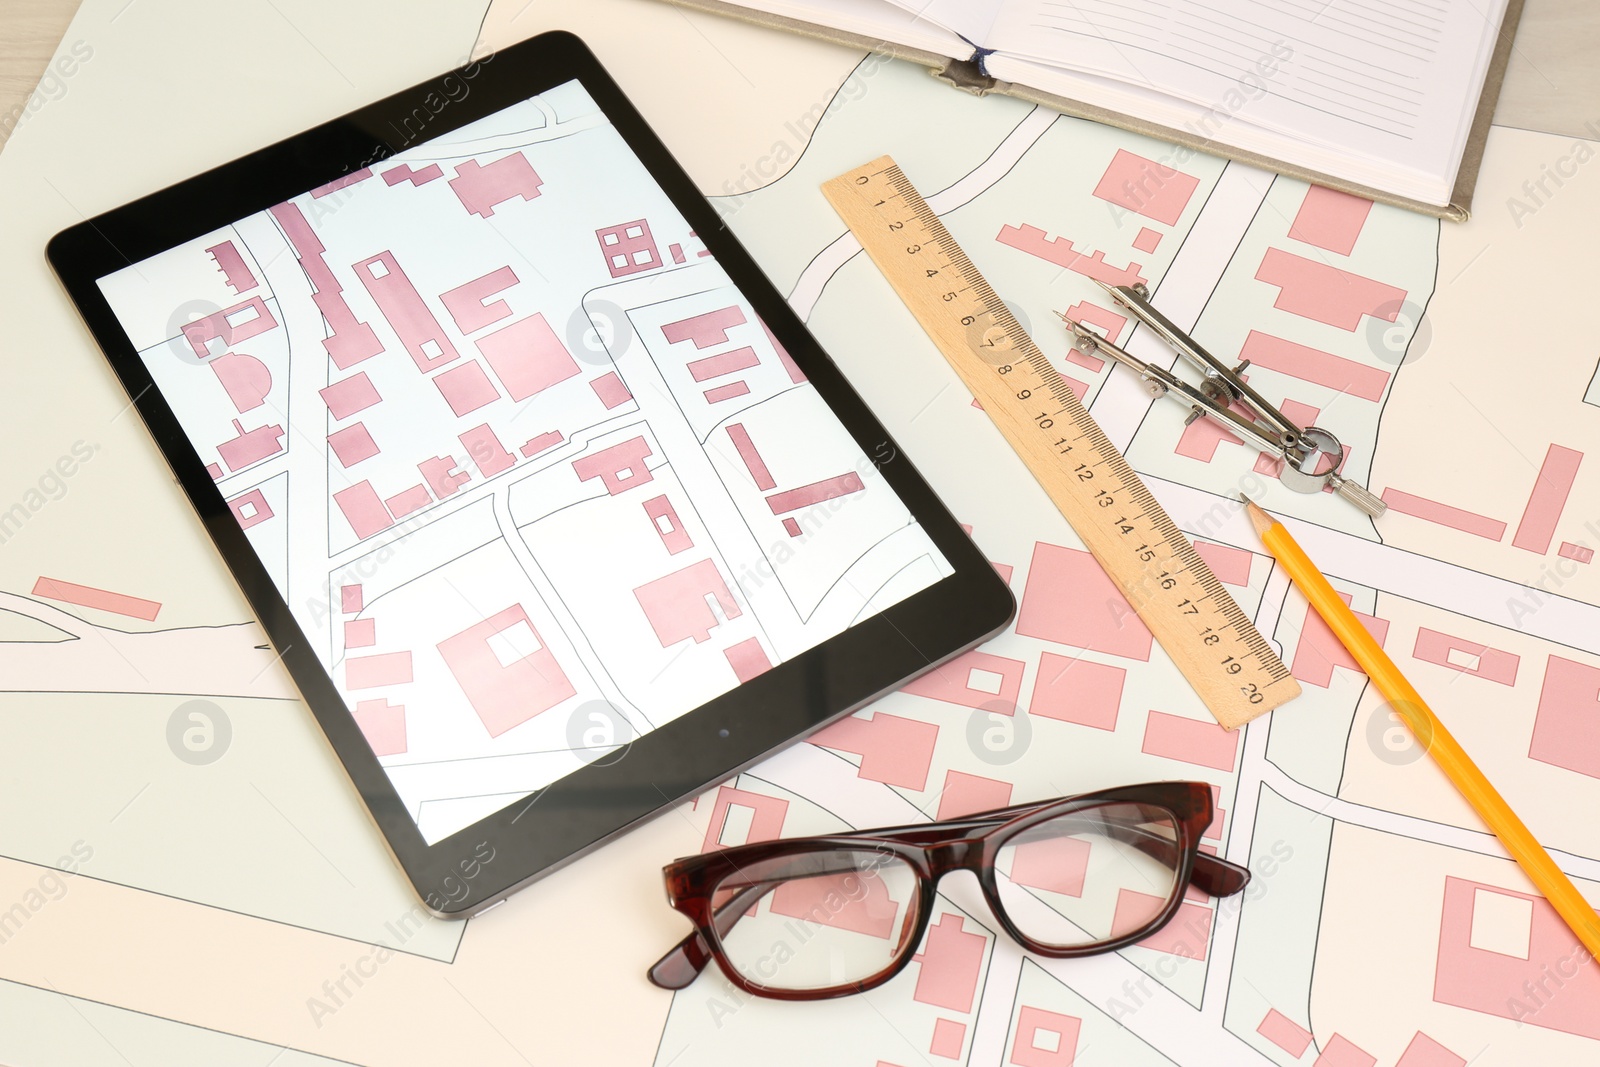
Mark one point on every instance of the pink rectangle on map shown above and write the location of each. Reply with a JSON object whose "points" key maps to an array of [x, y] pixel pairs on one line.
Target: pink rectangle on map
{"points": [[363, 510], [1330, 219], [1341, 1052], [1549, 497], [1314, 365], [407, 314], [1229, 564], [360, 633], [789, 365], [528, 357], [87, 596], [1445, 515], [967, 793], [538, 444], [1424, 1051], [726, 392], [468, 304], [234, 269], [1285, 1033], [1203, 744], [370, 672], [1188, 935], [723, 363], [1493, 664], [1581, 553], [1077, 690], [704, 330], [1142, 185], [610, 389], [664, 517], [752, 459], [815, 493], [353, 394], [404, 503], [486, 451], [383, 724]]}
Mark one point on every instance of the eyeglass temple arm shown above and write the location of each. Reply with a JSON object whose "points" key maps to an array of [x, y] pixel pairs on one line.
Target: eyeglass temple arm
{"points": [[690, 956]]}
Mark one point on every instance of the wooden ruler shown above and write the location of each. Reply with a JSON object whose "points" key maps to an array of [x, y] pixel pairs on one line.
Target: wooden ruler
{"points": [[1206, 633]]}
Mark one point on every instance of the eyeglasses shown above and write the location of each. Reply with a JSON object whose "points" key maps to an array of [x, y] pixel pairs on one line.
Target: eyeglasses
{"points": [[818, 917]]}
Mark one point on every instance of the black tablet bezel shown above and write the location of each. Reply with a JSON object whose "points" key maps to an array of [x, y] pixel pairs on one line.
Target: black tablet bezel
{"points": [[682, 757]]}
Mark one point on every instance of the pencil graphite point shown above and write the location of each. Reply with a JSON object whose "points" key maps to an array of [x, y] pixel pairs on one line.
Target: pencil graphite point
{"points": [[1258, 518]]}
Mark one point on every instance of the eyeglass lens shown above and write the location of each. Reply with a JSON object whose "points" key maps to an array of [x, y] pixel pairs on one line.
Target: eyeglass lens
{"points": [[1090, 875], [818, 919]]}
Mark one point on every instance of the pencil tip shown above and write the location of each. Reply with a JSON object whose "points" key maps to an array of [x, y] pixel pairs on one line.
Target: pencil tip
{"points": [[1258, 518]]}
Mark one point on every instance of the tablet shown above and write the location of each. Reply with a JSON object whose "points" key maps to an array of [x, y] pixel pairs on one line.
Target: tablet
{"points": [[554, 510]]}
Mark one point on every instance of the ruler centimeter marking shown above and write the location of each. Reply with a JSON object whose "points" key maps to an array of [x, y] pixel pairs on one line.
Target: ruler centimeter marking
{"points": [[1205, 632]]}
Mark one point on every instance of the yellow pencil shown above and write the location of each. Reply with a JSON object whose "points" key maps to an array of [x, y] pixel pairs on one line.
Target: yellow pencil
{"points": [[1551, 880]]}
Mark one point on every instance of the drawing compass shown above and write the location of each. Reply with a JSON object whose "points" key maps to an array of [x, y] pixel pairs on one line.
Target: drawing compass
{"points": [[1311, 455]]}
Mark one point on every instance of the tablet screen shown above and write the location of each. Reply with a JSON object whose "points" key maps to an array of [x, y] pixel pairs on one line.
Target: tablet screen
{"points": [[521, 460]]}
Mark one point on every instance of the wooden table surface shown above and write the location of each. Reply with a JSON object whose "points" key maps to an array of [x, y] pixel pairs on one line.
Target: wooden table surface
{"points": [[30, 31]]}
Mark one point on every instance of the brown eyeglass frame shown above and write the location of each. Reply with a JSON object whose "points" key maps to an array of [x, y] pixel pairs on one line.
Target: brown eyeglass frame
{"points": [[933, 850]]}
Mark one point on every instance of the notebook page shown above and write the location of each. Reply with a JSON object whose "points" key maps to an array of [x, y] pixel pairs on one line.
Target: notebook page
{"points": [[972, 19], [1376, 81], [883, 20]]}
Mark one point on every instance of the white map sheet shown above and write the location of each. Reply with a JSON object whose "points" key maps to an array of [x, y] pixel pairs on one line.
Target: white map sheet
{"points": [[1384, 927]]}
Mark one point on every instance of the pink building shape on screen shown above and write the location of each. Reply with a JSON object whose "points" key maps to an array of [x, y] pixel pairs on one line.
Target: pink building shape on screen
{"points": [[250, 446], [246, 379], [349, 340], [481, 188], [230, 325], [235, 272], [405, 311], [628, 248], [527, 357], [507, 672], [747, 659], [679, 605], [470, 305], [705, 330], [664, 518], [619, 468]]}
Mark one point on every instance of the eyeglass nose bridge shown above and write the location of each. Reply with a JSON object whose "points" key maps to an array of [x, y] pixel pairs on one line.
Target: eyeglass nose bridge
{"points": [[961, 854]]}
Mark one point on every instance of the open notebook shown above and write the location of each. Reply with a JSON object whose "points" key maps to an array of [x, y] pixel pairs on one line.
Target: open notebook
{"points": [[1387, 98]]}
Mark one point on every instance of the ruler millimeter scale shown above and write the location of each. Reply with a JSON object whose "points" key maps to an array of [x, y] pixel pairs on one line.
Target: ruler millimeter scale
{"points": [[1210, 638]]}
